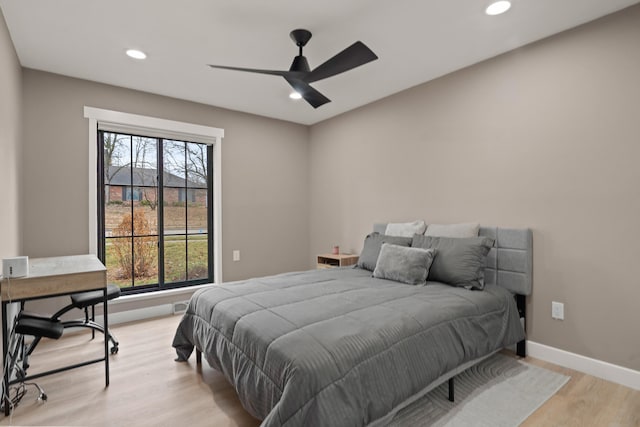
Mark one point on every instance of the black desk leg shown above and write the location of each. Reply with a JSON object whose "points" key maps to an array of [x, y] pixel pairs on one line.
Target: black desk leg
{"points": [[5, 351], [106, 337]]}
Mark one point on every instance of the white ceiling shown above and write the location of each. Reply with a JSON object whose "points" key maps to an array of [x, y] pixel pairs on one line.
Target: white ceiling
{"points": [[416, 41]]}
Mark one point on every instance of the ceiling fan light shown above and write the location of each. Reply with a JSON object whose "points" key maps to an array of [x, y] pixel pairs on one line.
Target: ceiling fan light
{"points": [[295, 95], [136, 54], [498, 7]]}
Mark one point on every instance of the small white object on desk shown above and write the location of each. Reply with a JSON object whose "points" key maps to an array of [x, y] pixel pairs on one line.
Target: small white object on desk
{"points": [[15, 267]]}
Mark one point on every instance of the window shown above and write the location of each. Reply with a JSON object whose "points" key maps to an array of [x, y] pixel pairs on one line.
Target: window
{"points": [[130, 193], [161, 236], [155, 201]]}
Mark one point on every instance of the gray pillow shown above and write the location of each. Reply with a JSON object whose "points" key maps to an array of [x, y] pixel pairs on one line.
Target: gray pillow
{"points": [[403, 264], [453, 230], [371, 249], [459, 261], [406, 229]]}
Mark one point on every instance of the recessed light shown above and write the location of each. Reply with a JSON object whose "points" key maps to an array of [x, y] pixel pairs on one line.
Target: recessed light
{"points": [[295, 95], [137, 54], [498, 7]]}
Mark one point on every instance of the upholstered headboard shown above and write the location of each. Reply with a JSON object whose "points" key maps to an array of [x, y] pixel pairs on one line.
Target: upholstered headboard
{"points": [[510, 261]]}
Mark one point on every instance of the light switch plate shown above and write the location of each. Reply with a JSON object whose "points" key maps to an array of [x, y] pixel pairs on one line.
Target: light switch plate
{"points": [[557, 310]]}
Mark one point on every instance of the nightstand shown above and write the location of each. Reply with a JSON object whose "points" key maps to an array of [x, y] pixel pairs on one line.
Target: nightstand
{"points": [[336, 260]]}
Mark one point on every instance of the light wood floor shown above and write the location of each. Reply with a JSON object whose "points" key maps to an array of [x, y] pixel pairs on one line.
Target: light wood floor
{"points": [[149, 389]]}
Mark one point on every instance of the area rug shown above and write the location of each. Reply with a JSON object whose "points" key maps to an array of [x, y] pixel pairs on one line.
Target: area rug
{"points": [[498, 392]]}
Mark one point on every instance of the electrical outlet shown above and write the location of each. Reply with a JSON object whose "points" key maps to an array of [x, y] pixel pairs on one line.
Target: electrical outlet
{"points": [[236, 255], [557, 310]]}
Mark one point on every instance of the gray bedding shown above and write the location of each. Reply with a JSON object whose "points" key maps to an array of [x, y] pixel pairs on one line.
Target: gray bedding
{"points": [[337, 347]]}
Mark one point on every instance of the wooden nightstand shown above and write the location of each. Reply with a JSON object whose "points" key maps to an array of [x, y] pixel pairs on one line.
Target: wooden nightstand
{"points": [[336, 260]]}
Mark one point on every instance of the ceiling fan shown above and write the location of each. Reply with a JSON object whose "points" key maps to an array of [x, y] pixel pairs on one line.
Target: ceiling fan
{"points": [[300, 75]]}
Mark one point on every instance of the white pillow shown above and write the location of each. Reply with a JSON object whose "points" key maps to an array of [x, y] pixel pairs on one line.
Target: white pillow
{"points": [[469, 229], [405, 229]]}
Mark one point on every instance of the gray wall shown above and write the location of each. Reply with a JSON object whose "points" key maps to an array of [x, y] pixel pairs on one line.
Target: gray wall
{"points": [[10, 148], [546, 137], [264, 173]]}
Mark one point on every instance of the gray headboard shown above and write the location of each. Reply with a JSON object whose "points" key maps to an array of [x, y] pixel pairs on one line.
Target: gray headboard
{"points": [[510, 261]]}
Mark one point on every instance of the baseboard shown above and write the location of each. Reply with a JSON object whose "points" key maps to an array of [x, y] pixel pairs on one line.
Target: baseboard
{"points": [[605, 370]]}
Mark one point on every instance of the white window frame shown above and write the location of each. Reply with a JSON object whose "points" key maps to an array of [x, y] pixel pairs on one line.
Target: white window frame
{"points": [[116, 121]]}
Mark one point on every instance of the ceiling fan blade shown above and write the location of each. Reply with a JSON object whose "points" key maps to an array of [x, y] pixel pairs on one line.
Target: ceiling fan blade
{"points": [[355, 55], [312, 96], [291, 74]]}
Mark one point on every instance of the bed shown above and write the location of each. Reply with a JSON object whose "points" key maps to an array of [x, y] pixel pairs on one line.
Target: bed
{"points": [[340, 347]]}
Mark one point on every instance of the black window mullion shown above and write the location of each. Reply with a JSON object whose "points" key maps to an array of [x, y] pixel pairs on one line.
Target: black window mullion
{"points": [[133, 254], [210, 234], [160, 208], [186, 215], [101, 200]]}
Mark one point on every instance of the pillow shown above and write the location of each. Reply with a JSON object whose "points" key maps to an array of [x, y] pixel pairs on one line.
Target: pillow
{"points": [[469, 229], [405, 229], [459, 261], [371, 249], [402, 264]]}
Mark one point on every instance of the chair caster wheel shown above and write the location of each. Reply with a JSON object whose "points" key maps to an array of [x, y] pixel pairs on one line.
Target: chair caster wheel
{"points": [[42, 398], [114, 350]]}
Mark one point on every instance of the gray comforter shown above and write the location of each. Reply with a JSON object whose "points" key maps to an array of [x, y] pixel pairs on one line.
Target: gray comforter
{"points": [[337, 347]]}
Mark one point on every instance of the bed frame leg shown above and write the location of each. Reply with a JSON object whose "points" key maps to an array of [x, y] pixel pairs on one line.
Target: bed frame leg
{"points": [[198, 357], [451, 390], [521, 302]]}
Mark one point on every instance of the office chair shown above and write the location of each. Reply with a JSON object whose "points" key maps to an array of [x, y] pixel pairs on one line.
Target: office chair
{"points": [[17, 357], [82, 301]]}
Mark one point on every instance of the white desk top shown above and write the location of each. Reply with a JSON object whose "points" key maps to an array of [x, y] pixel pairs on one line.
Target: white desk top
{"points": [[56, 276]]}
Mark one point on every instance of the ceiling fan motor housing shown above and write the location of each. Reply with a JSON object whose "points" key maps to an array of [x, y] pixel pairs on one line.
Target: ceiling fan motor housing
{"points": [[300, 64]]}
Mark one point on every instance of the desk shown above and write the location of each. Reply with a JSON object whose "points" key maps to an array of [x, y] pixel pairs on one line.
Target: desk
{"points": [[50, 277]]}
